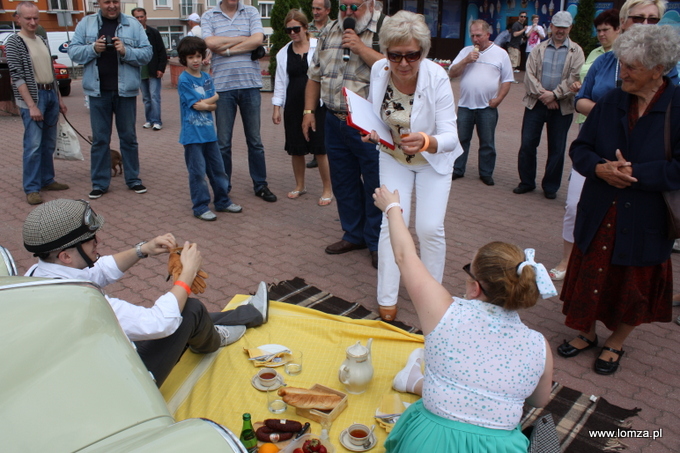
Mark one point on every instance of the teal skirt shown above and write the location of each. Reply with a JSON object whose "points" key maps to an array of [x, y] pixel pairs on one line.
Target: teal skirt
{"points": [[420, 430]]}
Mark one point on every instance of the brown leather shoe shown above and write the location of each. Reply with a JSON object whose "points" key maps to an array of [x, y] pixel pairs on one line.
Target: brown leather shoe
{"points": [[55, 186], [374, 258], [343, 246], [388, 313], [34, 198]]}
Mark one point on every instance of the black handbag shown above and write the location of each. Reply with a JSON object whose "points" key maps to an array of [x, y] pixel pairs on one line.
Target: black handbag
{"points": [[671, 197]]}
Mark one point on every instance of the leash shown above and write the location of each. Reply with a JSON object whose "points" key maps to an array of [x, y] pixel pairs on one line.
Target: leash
{"points": [[77, 131]]}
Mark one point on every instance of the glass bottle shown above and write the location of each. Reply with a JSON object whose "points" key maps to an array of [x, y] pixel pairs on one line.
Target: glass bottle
{"points": [[247, 437]]}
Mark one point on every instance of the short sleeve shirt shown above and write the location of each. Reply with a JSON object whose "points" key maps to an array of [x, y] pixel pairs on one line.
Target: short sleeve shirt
{"points": [[197, 125], [480, 80]]}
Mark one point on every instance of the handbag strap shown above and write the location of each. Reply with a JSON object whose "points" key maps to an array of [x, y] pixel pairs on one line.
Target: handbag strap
{"points": [[667, 132]]}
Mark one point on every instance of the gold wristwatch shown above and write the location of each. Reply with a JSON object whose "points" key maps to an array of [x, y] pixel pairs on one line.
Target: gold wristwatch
{"points": [[304, 112]]}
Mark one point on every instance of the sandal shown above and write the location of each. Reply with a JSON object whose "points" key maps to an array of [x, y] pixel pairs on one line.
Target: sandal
{"points": [[567, 350], [388, 313], [608, 367], [556, 275], [325, 201], [296, 193]]}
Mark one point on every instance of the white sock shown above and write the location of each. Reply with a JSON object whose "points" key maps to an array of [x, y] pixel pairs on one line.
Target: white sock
{"points": [[407, 379]]}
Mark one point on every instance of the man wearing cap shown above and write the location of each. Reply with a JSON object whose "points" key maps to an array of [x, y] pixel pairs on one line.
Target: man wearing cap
{"points": [[63, 235], [552, 67], [194, 23]]}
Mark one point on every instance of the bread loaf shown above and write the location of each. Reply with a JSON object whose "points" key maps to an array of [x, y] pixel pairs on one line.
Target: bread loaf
{"points": [[309, 399]]}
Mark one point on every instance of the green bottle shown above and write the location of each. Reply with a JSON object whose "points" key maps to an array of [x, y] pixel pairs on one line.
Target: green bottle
{"points": [[247, 437]]}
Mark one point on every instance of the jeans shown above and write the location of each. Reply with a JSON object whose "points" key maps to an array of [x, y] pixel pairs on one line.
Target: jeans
{"points": [[102, 110], [532, 127], [40, 141], [247, 100], [151, 95], [354, 178], [486, 120], [204, 159]]}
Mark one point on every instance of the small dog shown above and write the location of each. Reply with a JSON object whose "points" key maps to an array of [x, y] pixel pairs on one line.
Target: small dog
{"points": [[116, 160]]}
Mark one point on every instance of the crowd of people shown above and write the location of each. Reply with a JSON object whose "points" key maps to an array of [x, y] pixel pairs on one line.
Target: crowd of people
{"points": [[616, 268]]}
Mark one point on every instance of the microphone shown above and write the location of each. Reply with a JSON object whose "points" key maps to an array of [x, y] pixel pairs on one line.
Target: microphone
{"points": [[348, 24]]}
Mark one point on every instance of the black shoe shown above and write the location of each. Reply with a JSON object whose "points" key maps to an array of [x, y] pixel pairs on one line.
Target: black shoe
{"points": [[96, 193], [456, 176], [550, 195], [266, 194], [602, 367], [488, 180], [312, 163], [374, 258], [138, 188], [567, 350], [522, 189]]}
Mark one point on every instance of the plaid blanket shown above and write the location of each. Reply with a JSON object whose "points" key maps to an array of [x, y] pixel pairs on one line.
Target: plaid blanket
{"points": [[574, 413]]}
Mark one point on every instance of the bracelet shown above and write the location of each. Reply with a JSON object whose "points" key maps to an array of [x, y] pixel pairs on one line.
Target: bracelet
{"points": [[427, 141], [392, 205], [181, 284], [305, 112], [229, 52]]}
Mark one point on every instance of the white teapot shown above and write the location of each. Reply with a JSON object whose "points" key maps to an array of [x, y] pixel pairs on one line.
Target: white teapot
{"points": [[356, 371]]}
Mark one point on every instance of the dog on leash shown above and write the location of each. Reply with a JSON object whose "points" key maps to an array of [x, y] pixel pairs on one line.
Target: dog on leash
{"points": [[116, 160]]}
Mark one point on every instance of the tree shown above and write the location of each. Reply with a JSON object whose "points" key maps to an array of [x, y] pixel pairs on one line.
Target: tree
{"points": [[582, 31], [279, 37]]}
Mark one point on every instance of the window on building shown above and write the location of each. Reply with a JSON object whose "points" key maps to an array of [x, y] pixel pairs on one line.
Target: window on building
{"points": [[171, 35], [266, 9], [211, 3], [161, 3], [61, 5]]}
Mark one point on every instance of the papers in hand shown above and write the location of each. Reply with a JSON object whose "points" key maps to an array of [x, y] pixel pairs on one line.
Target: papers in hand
{"points": [[362, 117]]}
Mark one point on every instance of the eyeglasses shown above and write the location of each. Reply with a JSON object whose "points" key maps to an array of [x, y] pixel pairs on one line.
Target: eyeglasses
{"points": [[411, 57], [522, 17], [467, 270], [353, 7], [291, 30], [642, 19]]}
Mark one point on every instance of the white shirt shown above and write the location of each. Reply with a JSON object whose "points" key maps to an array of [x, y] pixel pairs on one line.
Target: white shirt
{"points": [[281, 82], [138, 323], [481, 79], [196, 31]]}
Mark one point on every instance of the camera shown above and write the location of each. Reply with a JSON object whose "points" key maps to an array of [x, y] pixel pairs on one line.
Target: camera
{"points": [[109, 43]]}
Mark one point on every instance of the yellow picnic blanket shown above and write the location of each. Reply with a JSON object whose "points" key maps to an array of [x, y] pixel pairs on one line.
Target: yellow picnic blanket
{"points": [[218, 386]]}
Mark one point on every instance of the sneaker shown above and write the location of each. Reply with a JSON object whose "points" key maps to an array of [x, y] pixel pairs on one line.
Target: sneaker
{"points": [[677, 321], [157, 127], [55, 186], [229, 334], [147, 125], [96, 193], [34, 198], [266, 194], [409, 376], [208, 216], [261, 301], [233, 208], [516, 71], [138, 188], [676, 246]]}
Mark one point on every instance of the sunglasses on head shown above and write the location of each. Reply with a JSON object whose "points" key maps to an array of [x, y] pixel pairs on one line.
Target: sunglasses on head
{"points": [[290, 30], [642, 19], [353, 7], [467, 270], [411, 57]]}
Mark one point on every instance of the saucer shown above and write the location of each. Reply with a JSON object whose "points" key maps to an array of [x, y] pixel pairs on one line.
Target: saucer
{"points": [[277, 384], [344, 440]]}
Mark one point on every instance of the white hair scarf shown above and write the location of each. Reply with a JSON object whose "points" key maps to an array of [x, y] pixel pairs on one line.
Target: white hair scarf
{"points": [[543, 281]]}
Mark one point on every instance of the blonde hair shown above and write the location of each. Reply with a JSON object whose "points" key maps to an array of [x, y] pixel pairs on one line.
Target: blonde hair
{"points": [[660, 5], [298, 16], [404, 27]]}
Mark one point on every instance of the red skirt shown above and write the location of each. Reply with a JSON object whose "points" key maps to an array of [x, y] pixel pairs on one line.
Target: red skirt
{"points": [[596, 290]]}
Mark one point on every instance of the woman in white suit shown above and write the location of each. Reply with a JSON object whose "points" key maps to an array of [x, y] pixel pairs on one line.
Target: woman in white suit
{"points": [[413, 97]]}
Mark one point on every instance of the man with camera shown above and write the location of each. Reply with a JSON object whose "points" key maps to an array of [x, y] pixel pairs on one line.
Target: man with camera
{"points": [[112, 47]]}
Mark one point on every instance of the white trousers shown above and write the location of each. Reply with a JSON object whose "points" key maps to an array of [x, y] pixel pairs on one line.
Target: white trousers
{"points": [[432, 196], [576, 181]]}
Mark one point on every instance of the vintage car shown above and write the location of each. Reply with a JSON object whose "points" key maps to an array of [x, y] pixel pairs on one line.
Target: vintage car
{"points": [[71, 380]]}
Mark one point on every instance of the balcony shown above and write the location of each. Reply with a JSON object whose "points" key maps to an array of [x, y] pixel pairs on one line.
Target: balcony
{"points": [[187, 8]]}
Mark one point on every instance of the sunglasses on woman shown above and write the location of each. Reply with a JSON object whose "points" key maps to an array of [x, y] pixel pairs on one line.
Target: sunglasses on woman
{"points": [[642, 19], [291, 30], [467, 270], [411, 57], [353, 7]]}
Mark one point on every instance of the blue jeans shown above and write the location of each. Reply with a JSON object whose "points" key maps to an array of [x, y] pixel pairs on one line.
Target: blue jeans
{"points": [[486, 120], [247, 100], [354, 178], [151, 95], [532, 127], [204, 159], [40, 141], [102, 109]]}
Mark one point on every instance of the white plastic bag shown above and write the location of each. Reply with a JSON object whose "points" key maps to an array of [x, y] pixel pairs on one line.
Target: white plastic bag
{"points": [[68, 146]]}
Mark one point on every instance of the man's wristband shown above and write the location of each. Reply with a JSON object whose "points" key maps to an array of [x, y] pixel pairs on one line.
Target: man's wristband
{"points": [[138, 248], [183, 285], [305, 112], [229, 52], [393, 205]]}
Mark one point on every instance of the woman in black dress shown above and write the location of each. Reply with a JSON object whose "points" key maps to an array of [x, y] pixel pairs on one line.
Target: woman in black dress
{"points": [[292, 63]]}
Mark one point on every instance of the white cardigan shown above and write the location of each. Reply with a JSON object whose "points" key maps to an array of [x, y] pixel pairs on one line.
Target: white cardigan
{"points": [[281, 81], [433, 110]]}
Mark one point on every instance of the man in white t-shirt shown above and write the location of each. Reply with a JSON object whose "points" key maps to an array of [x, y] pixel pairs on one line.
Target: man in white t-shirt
{"points": [[486, 75], [194, 25]]}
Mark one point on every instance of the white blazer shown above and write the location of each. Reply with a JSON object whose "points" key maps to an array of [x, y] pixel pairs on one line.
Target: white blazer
{"points": [[281, 81], [433, 110]]}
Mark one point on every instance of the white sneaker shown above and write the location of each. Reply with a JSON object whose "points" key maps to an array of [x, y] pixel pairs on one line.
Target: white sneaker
{"points": [[411, 374], [676, 245], [208, 216], [230, 334], [147, 126], [261, 301], [157, 127]]}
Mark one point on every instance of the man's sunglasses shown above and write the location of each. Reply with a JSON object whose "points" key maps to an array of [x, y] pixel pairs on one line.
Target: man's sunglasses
{"points": [[291, 30], [642, 19], [411, 57], [522, 17], [353, 7]]}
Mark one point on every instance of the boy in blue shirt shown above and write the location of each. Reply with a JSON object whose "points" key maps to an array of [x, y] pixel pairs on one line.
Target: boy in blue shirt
{"points": [[197, 100]]}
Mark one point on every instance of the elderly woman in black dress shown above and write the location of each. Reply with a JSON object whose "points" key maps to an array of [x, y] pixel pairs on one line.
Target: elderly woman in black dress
{"points": [[620, 270]]}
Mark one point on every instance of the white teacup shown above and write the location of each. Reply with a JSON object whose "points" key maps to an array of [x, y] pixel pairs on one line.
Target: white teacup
{"points": [[267, 377], [358, 434]]}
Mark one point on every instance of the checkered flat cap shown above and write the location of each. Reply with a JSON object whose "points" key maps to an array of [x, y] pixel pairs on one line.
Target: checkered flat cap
{"points": [[59, 224]]}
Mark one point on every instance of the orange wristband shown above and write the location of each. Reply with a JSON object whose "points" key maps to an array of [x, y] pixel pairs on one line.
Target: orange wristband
{"points": [[181, 284], [427, 141]]}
